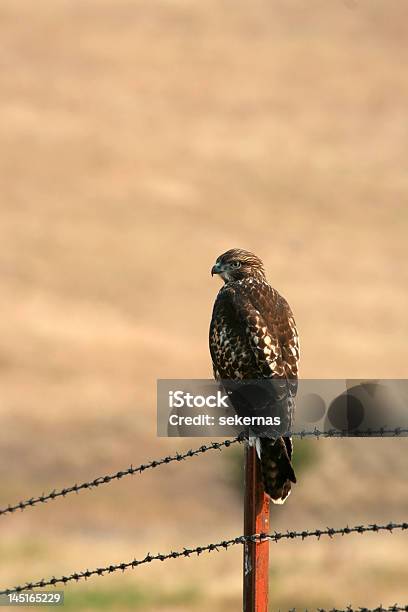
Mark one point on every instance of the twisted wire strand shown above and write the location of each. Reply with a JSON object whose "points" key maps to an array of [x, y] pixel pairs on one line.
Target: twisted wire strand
{"points": [[107, 478], [101, 480], [393, 608], [381, 432], [198, 550]]}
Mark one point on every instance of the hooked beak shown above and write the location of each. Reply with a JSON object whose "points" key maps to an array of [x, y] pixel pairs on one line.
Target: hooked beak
{"points": [[217, 269]]}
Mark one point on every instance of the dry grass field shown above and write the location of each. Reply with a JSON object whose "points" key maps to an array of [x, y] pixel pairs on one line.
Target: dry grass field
{"points": [[139, 140]]}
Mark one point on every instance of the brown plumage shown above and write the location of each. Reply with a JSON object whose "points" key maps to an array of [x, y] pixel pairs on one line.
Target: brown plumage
{"points": [[253, 336]]}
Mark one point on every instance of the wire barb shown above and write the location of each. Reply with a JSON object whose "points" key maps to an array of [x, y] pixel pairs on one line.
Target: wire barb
{"points": [[198, 550]]}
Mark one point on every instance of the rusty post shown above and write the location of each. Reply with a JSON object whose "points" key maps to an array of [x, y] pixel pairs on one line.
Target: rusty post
{"points": [[256, 520]]}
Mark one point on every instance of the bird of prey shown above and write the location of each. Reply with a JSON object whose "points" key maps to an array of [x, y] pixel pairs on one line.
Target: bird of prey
{"points": [[253, 336]]}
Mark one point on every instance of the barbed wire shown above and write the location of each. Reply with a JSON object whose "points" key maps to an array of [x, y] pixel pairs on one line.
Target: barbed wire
{"points": [[198, 550], [393, 608], [107, 478], [101, 480], [381, 432]]}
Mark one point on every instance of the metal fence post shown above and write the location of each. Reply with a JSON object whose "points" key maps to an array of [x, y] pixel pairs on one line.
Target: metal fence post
{"points": [[256, 520]]}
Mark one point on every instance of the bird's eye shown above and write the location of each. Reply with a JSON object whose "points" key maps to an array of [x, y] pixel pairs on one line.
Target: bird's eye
{"points": [[236, 264]]}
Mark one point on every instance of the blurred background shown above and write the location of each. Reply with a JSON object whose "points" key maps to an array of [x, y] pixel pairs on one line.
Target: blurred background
{"points": [[139, 140]]}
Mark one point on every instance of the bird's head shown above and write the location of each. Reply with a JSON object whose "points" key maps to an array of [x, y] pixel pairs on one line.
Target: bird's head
{"points": [[237, 264]]}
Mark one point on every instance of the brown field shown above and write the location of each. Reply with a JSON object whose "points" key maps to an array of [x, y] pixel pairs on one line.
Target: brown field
{"points": [[139, 140]]}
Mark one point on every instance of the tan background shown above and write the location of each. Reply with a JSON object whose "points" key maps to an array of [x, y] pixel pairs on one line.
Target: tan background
{"points": [[139, 140]]}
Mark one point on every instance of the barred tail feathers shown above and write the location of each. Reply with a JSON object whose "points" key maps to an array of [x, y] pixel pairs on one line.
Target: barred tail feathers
{"points": [[277, 470]]}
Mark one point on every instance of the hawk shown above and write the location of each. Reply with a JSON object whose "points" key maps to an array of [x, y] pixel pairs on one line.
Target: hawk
{"points": [[253, 336]]}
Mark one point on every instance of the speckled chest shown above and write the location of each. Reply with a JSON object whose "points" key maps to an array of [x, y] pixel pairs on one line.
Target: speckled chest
{"points": [[230, 346]]}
